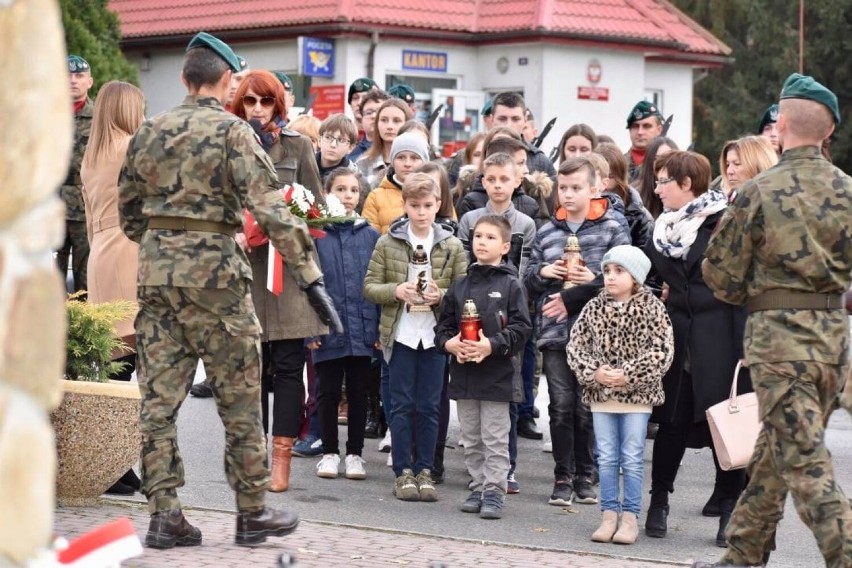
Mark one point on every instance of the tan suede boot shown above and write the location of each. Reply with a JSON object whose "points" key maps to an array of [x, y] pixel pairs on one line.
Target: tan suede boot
{"points": [[608, 525], [282, 455], [628, 531]]}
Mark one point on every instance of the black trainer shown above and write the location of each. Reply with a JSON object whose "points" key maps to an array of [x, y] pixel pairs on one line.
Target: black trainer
{"points": [[584, 492], [170, 528], [473, 503], [492, 504], [563, 491]]}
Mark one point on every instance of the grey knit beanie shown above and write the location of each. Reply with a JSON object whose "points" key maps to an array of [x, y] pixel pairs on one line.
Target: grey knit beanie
{"points": [[410, 142], [632, 259]]}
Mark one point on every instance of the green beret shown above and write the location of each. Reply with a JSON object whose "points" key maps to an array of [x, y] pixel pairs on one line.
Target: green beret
{"points": [[643, 110], [217, 46], [402, 91], [487, 108], [361, 85], [769, 117], [804, 87], [77, 64], [285, 80]]}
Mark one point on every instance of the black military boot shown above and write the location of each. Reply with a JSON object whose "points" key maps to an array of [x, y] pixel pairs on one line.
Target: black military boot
{"points": [[656, 521], [254, 527], [438, 464], [726, 507], [371, 428], [170, 528]]}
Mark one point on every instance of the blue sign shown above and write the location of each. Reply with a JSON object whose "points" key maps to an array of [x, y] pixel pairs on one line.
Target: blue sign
{"points": [[317, 56], [424, 60]]}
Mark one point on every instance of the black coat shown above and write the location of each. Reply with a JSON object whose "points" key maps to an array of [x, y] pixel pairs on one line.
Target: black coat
{"points": [[709, 329], [496, 291], [477, 198]]}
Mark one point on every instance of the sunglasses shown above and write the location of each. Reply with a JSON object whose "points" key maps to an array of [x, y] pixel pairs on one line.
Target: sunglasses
{"points": [[265, 102]]}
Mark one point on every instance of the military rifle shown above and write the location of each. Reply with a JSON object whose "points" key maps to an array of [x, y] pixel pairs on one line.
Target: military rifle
{"points": [[667, 124], [538, 140], [434, 116]]}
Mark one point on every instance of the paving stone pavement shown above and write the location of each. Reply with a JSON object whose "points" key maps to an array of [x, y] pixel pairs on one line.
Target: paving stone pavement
{"points": [[327, 545]]}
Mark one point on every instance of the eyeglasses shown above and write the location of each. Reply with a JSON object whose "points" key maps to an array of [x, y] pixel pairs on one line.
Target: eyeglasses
{"points": [[664, 180], [265, 102], [335, 140]]}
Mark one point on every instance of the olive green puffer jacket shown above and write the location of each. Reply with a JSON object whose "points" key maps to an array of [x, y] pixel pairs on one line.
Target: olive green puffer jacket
{"points": [[389, 268]]}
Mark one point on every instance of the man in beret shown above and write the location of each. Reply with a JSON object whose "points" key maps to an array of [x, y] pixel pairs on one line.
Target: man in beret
{"points": [[287, 83], [767, 126], [784, 248], [644, 123], [188, 174], [357, 90], [76, 244], [236, 80], [406, 93]]}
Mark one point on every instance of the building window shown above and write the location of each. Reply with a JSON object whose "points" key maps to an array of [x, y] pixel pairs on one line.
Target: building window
{"points": [[655, 96]]}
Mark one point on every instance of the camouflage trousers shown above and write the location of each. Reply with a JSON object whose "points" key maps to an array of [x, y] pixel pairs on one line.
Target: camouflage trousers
{"points": [[174, 328], [796, 400], [76, 246]]}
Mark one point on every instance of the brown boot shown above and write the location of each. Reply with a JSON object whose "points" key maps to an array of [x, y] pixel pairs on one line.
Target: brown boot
{"points": [[282, 454], [609, 524], [628, 531]]}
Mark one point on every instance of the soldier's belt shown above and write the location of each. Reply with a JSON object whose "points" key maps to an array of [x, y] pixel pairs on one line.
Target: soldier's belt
{"points": [[783, 300], [183, 224]]}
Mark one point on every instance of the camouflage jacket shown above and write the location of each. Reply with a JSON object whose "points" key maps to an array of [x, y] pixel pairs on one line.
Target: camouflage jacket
{"points": [[788, 229], [198, 161], [71, 191]]}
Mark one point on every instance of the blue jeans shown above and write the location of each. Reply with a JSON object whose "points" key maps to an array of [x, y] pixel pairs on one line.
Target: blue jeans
{"points": [[385, 391], [416, 380], [621, 443]]}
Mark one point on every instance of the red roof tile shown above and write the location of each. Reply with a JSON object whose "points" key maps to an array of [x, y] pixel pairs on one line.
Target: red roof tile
{"points": [[639, 21]]}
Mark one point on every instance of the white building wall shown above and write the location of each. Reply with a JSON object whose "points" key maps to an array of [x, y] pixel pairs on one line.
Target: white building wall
{"points": [[675, 82], [567, 69], [549, 78]]}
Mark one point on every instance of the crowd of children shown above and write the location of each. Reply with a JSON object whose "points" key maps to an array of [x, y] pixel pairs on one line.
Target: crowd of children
{"points": [[447, 292]]}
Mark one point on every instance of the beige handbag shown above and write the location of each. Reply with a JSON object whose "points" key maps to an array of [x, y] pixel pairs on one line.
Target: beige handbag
{"points": [[734, 426]]}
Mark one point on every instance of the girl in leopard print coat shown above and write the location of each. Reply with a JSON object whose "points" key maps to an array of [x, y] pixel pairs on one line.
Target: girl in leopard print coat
{"points": [[620, 348]]}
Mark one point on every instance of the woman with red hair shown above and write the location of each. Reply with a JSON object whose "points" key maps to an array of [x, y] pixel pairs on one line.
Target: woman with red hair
{"points": [[287, 319]]}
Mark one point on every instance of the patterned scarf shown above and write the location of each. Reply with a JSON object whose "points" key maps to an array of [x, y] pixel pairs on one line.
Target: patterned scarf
{"points": [[675, 231]]}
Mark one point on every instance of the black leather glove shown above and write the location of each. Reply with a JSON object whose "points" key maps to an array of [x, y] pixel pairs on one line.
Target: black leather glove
{"points": [[323, 305]]}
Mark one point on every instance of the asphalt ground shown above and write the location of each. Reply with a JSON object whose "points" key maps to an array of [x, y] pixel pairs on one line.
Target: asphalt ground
{"points": [[528, 520]]}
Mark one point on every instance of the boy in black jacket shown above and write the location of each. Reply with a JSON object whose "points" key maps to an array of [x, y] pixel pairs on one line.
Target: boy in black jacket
{"points": [[482, 371]]}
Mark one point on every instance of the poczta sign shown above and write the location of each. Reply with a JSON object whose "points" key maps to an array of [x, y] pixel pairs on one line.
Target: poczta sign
{"points": [[424, 60]]}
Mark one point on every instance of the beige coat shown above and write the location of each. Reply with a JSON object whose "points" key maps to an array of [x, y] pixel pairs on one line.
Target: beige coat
{"points": [[113, 259]]}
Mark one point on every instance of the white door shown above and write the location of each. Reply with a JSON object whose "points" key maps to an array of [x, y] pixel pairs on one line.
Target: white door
{"points": [[458, 120]]}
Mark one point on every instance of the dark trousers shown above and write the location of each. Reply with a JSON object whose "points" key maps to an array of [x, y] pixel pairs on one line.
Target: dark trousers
{"points": [[670, 445], [444, 416], [570, 419], [129, 366], [284, 365], [76, 247], [525, 409], [332, 373], [416, 380]]}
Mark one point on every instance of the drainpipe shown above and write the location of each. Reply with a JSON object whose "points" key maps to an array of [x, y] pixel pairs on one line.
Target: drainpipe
{"points": [[371, 55]]}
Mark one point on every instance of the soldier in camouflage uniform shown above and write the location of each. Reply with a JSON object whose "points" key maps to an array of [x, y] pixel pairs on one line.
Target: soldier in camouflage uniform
{"points": [[76, 243], [784, 248], [644, 123], [187, 176]]}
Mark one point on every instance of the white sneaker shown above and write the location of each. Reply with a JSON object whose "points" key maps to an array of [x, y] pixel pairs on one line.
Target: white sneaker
{"points": [[355, 467], [547, 446], [385, 444], [329, 466], [390, 460]]}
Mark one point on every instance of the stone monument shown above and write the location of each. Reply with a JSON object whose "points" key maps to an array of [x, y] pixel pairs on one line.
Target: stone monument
{"points": [[35, 144]]}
